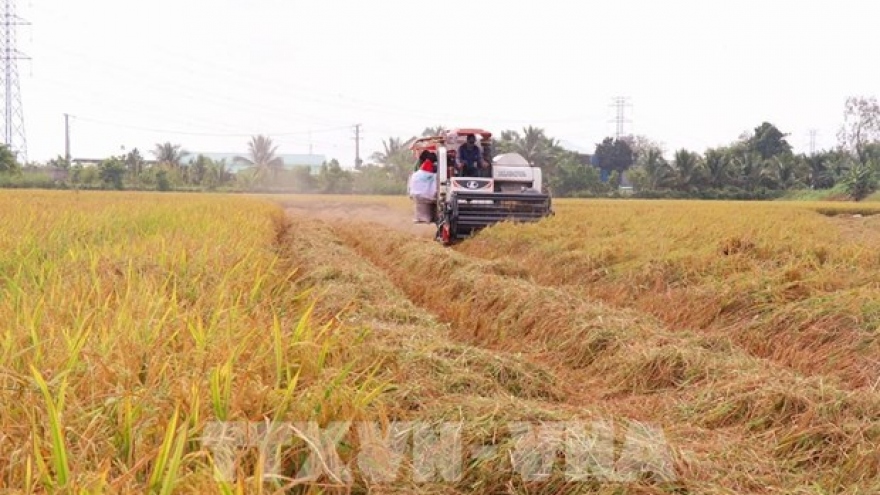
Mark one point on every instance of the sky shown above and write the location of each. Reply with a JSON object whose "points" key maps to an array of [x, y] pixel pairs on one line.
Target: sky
{"points": [[208, 74]]}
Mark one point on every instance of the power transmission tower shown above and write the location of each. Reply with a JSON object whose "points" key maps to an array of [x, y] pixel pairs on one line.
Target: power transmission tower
{"points": [[620, 103], [67, 138], [13, 115], [357, 146], [813, 133]]}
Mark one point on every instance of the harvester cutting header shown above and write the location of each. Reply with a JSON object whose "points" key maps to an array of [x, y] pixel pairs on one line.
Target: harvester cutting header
{"points": [[462, 187]]}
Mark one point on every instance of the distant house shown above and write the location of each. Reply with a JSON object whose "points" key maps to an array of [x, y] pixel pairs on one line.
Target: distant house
{"points": [[94, 162], [87, 162], [314, 162]]}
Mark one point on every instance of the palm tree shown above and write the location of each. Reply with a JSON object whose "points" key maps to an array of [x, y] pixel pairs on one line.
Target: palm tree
{"points": [[262, 157], [749, 166], [433, 131], [717, 165], [536, 147], [392, 148], [169, 154], [821, 176], [689, 169], [658, 171], [533, 144], [395, 157], [784, 172]]}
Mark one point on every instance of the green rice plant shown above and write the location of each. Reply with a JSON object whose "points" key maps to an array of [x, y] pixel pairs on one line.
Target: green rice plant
{"points": [[169, 458], [278, 346], [126, 430], [221, 389], [287, 399], [60, 464]]}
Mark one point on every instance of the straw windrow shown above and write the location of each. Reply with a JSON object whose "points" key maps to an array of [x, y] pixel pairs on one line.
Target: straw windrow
{"points": [[782, 283], [704, 381]]}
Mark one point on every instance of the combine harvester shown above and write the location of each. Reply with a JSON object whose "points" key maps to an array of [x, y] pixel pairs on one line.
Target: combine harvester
{"points": [[509, 188]]}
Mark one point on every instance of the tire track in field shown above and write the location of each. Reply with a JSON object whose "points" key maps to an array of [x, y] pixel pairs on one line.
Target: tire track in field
{"points": [[816, 349], [437, 378], [351, 284], [352, 289], [701, 464], [755, 420]]}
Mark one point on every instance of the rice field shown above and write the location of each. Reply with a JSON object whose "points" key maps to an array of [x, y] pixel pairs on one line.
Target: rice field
{"points": [[719, 348], [130, 321]]}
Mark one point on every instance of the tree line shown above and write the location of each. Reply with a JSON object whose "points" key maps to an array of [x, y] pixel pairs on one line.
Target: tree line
{"points": [[173, 168], [760, 164]]}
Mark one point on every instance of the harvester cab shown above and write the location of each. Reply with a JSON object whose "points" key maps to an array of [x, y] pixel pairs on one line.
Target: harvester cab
{"points": [[500, 188]]}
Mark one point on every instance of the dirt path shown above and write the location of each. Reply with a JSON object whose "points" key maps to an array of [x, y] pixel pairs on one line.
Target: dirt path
{"points": [[396, 218], [861, 229], [398, 215]]}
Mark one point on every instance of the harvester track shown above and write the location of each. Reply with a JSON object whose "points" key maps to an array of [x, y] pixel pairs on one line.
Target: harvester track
{"points": [[695, 385], [436, 377], [739, 423]]}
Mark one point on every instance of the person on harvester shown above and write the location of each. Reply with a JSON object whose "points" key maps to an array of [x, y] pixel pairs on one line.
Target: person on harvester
{"points": [[422, 188], [469, 157], [428, 162], [423, 156]]}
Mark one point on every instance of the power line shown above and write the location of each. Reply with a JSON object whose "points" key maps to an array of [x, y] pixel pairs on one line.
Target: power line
{"points": [[304, 93], [13, 116], [199, 133], [223, 99], [191, 93], [128, 112]]}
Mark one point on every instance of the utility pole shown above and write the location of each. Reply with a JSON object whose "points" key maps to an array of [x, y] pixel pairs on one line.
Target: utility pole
{"points": [[67, 138], [357, 146], [310, 141], [813, 133], [620, 103], [13, 114]]}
